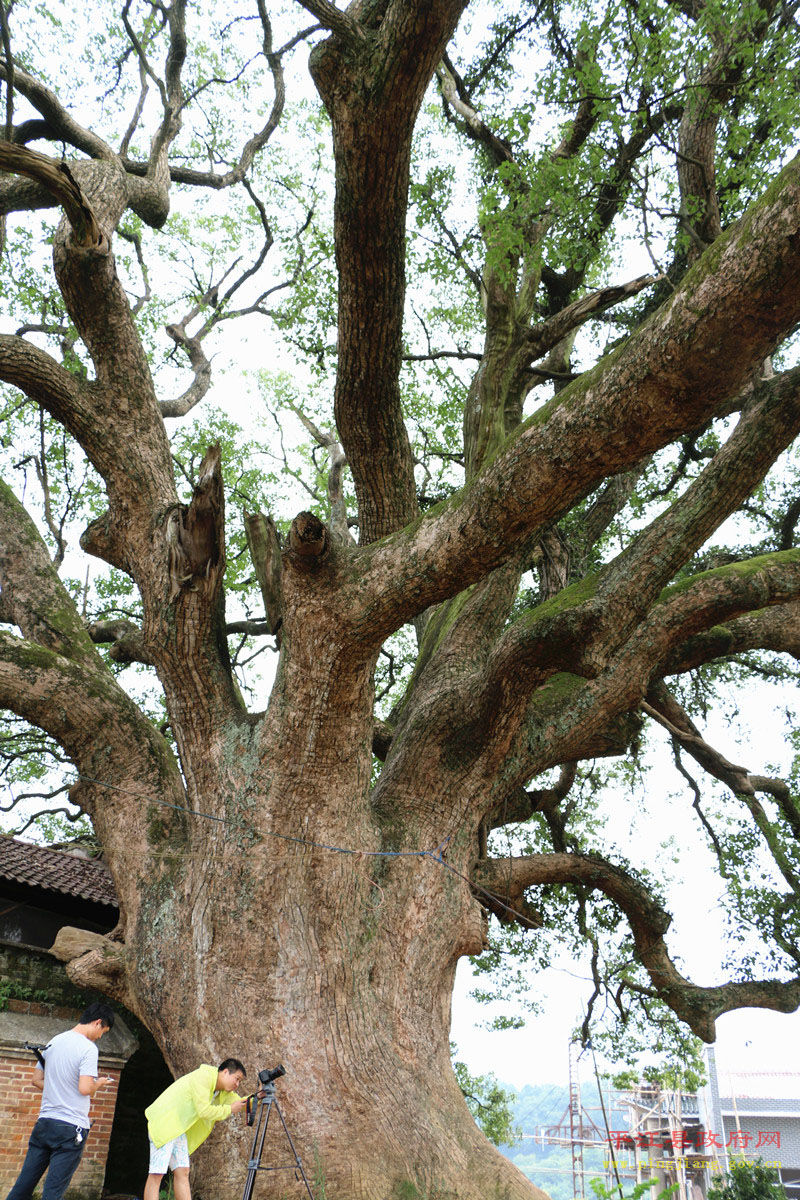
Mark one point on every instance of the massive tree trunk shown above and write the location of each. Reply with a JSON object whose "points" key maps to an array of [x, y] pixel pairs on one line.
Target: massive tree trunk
{"points": [[266, 926]]}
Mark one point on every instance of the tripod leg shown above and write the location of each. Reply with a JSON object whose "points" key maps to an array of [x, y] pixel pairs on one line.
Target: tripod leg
{"points": [[264, 1106], [294, 1152]]}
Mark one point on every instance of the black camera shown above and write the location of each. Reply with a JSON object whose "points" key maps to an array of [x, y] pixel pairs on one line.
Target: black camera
{"points": [[265, 1079], [271, 1075]]}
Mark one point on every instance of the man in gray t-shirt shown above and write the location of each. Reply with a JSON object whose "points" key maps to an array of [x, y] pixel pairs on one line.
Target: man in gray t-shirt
{"points": [[68, 1083]]}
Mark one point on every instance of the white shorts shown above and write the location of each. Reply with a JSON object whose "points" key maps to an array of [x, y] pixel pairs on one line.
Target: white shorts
{"points": [[172, 1155]]}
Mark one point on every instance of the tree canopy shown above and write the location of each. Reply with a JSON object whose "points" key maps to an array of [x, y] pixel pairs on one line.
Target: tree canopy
{"points": [[503, 297]]}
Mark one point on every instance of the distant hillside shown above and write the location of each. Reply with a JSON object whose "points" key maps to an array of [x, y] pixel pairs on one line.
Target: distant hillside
{"points": [[542, 1106]]}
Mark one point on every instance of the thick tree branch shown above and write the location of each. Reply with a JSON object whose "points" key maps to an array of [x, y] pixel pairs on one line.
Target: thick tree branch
{"points": [[340, 23], [494, 404], [87, 410], [373, 109], [776, 629], [123, 763], [539, 706], [122, 398], [40, 377], [597, 631], [705, 103], [34, 682], [698, 1006], [59, 181], [57, 124], [34, 597], [768, 425], [633, 402]]}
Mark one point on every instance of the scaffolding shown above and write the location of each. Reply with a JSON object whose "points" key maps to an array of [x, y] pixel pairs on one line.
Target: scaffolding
{"points": [[679, 1138], [576, 1128], [652, 1116]]}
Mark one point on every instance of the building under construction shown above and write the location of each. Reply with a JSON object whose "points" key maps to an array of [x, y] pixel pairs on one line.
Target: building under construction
{"points": [[680, 1138]]}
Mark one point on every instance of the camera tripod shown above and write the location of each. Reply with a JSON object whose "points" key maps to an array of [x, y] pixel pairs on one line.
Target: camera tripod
{"points": [[267, 1100]]}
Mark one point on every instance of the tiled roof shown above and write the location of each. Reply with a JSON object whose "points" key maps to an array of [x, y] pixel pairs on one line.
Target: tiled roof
{"points": [[55, 871]]}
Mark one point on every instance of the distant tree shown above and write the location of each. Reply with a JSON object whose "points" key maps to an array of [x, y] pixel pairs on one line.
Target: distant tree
{"points": [[747, 1181], [490, 1105]]}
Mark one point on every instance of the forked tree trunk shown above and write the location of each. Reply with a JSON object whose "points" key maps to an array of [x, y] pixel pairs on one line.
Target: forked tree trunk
{"points": [[351, 993], [284, 949]]}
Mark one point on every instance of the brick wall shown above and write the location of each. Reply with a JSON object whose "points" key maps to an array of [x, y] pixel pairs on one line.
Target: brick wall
{"points": [[19, 1108], [35, 974]]}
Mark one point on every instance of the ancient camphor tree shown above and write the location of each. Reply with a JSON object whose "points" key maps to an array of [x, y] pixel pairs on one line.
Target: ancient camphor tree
{"points": [[549, 553]]}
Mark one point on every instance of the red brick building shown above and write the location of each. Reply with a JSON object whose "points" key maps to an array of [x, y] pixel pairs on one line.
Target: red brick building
{"points": [[42, 890]]}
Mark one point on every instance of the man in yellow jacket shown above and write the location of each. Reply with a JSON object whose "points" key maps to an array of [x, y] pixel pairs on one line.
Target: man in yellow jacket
{"points": [[182, 1118]]}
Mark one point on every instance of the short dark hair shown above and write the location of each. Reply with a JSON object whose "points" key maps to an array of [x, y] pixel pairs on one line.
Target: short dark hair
{"points": [[232, 1064], [97, 1011]]}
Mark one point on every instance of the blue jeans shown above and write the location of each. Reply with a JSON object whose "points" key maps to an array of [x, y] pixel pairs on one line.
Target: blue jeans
{"points": [[52, 1144]]}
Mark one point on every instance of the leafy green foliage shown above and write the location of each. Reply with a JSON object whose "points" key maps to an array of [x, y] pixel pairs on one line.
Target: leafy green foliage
{"points": [[489, 1104], [682, 1067], [604, 1191], [747, 1181]]}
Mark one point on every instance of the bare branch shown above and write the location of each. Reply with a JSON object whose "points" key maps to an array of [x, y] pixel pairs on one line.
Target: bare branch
{"points": [[337, 463], [127, 643], [137, 112], [251, 628], [523, 804], [214, 305], [464, 355], [201, 367], [499, 150], [136, 241], [144, 63], [549, 333], [254, 144]]}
